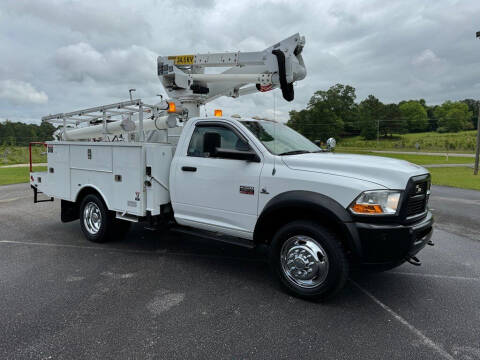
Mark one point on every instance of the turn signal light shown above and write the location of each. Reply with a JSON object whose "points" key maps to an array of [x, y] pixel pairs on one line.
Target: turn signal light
{"points": [[217, 112], [171, 107], [367, 209]]}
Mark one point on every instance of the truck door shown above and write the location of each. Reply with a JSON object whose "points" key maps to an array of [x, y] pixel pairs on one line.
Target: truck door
{"points": [[213, 192]]}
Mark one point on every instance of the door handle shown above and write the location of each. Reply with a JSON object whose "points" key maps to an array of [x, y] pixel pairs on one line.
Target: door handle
{"points": [[189, 168]]}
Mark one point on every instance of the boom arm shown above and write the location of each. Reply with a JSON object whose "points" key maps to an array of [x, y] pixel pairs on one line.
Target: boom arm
{"points": [[280, 65]]}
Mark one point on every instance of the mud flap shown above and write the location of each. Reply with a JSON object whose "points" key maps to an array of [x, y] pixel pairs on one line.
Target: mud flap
{"points": [[69, 211]]}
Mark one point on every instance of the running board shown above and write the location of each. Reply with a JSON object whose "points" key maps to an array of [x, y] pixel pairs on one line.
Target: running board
{"points": [[127, 217], [210, 235]]}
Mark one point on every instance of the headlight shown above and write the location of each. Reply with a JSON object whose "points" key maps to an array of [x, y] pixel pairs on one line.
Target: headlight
{"points": [[377, 202]]}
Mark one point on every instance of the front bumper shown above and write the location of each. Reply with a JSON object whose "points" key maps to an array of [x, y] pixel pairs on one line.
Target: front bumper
{"points": [[391, 243]]}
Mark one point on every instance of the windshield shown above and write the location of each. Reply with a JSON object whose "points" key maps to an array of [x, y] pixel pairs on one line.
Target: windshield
{"points": [[280, 139]]}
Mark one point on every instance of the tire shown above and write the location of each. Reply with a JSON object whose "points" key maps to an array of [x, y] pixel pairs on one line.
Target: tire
{"points": [[308, 260], [96, 221]]}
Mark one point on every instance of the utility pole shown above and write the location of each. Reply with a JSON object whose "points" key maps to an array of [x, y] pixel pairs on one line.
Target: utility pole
{"points": [[378, 132], [477, 150]]}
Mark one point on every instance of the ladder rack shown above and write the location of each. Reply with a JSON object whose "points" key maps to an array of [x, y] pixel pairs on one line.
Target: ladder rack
{"points": [[106, 114], [100, 113]]}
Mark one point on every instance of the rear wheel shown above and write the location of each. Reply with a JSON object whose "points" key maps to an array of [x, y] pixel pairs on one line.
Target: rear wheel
{"points": [[308, 259], [95, 219]]}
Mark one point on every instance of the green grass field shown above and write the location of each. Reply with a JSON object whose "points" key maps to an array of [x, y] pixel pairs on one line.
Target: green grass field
{"points": [[461, 177], [463, 141], [414, 158], [14, 175], [10, 155]]}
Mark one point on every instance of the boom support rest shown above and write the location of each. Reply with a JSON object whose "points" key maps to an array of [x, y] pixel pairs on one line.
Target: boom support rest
{"points": [[287, 89]]}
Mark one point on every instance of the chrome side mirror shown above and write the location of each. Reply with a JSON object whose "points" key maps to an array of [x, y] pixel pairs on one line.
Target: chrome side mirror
{"points": [[331, 143]]}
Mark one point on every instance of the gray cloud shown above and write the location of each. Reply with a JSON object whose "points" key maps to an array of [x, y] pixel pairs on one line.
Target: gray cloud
{"points": [[21, 92], [84, 53]]}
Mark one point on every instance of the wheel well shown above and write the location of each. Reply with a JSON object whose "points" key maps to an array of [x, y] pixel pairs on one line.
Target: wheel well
{"points": [[269, 224], [88, 191]]}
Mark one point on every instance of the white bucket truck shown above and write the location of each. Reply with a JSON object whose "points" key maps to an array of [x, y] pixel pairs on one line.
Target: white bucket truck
{"points": [[246, 181]]}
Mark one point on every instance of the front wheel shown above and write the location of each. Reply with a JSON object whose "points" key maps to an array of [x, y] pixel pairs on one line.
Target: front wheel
{"points": [[308, 259]]}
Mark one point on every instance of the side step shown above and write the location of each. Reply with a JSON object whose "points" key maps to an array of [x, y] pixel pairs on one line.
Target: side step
{"points": [[127, 217], [210, 235]]}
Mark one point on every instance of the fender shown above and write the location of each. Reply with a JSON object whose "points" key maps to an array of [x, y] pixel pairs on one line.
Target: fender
{"points": [[94, 188], [320, 205]]}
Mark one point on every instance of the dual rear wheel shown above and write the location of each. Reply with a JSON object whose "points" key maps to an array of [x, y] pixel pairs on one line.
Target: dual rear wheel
{"points": [[98, 223]]}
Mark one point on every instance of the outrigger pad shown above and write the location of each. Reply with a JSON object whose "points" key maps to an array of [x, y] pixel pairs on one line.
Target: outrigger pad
{"points": [[287, 89]]}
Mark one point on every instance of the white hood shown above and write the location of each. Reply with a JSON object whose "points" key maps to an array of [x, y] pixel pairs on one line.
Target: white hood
{"points": [[390, 173]]}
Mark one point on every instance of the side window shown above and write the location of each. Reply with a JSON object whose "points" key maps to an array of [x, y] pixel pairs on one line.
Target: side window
{"points": [[206, 139]]}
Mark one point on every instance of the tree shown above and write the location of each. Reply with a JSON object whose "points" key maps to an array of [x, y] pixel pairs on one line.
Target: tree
{"points": [[340, 99], [415, 115], [473, 107], [371, 111], [453, 116], [316, 123], [391, 122], [17, 133]]}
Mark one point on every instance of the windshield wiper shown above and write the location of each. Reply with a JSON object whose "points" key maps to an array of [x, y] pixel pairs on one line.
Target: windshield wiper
{"points": [[294, 152]]}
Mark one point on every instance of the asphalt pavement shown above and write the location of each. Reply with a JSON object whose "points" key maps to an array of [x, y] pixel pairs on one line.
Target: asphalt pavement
{"points": [[163, 295]]}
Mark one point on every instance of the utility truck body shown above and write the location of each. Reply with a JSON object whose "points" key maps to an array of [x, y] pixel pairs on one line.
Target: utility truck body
{"points": [[246, 181]]}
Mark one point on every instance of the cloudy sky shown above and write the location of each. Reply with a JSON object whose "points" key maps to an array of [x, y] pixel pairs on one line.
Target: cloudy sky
{"points": [[60, 56]]}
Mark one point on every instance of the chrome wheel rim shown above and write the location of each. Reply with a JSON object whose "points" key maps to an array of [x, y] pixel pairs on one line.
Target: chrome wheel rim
{"points": [[304, 261], [92, 218]]}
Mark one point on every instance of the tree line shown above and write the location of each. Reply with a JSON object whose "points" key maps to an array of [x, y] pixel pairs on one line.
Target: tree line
{"points": [[20, 134], [335, 112]]}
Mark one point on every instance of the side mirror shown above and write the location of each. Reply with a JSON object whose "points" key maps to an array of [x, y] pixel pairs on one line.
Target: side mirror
{"points": [[331, 143], [248, 155]]}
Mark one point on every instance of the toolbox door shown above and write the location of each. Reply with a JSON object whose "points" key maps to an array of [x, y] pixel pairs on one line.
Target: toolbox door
{"points": [[128, 174]]}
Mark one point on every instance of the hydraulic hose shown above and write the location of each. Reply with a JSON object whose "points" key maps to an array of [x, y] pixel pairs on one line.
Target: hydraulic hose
{"points": [[287, 89]]}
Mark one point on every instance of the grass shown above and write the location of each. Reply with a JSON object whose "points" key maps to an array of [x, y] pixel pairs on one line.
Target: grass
{"points": [[10, 155], [463, 141], [16, 175], [416, 159], [461, 177]]}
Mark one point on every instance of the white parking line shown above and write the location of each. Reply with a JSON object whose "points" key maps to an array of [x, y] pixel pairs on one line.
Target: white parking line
{"points": [[436, 276], [426, 340]]}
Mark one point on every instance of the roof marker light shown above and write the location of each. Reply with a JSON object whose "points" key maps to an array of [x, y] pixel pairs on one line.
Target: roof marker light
{"points": [[217, 112]]}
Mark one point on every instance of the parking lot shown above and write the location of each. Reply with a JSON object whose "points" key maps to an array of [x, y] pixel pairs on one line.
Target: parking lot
{"points": [[163, 295]]}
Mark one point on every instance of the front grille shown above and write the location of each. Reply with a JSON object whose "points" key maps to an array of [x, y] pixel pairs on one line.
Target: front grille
{"points": [[417, 198]]}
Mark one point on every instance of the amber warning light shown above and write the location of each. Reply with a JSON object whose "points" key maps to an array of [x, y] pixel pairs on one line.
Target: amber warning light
{"points": [[171, 107], [217, 112]]}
